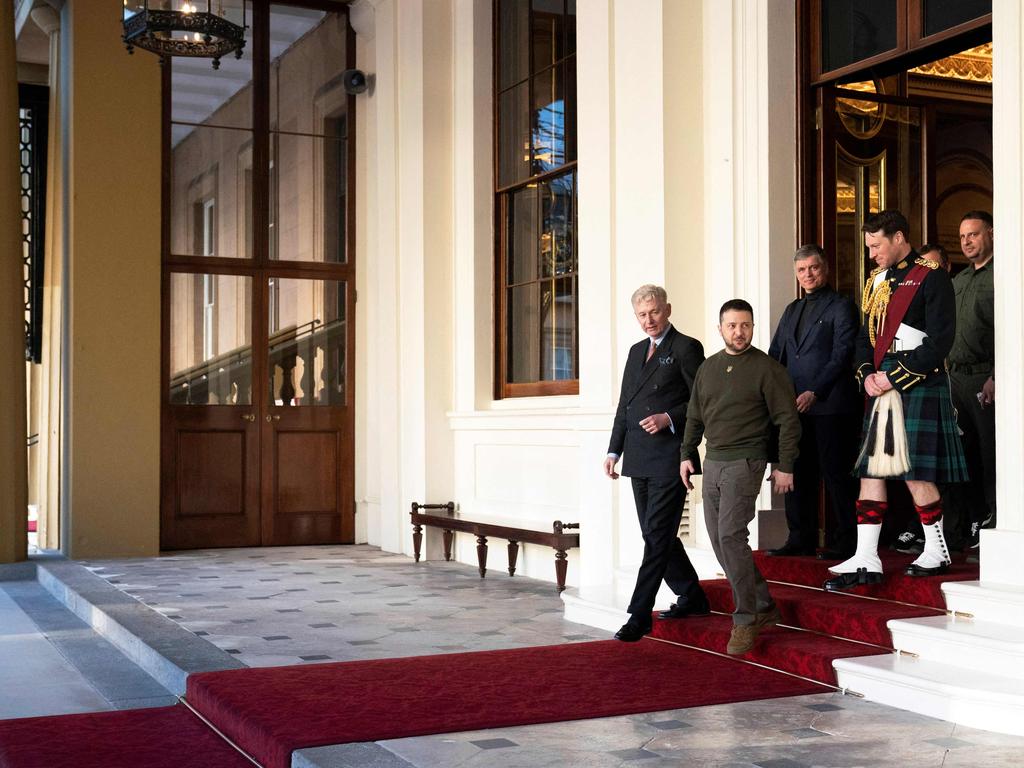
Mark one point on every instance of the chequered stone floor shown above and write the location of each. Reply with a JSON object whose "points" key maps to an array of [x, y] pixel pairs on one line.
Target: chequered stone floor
{"points": [[312, 604]]}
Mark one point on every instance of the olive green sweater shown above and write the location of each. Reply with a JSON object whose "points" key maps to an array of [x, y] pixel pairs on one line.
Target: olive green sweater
{"points": [[735, 401]]}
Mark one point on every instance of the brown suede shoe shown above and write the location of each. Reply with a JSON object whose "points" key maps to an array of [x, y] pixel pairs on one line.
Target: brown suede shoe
{"points": [[769, 618], [742, 639]]}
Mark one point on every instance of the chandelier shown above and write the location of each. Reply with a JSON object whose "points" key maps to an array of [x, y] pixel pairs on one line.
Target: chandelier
{"points": [[153, 26]]}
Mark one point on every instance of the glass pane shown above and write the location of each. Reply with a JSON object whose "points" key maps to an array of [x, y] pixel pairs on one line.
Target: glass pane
{"points": [[525, 304], [939, 15], [542, 331], [548, 33], [211, 193], [570, 27], [559, 333], [202, 94], [308, 198], [514, 135], [548, 120], [570, 108], [521, 253], [853, 32], [211, 339], [556, 245], [307, 341], [307, 57], [513, 42]]}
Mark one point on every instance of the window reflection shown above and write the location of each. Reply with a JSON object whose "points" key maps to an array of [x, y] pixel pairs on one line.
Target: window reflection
{"points": [[307, 342], [211, 340]]}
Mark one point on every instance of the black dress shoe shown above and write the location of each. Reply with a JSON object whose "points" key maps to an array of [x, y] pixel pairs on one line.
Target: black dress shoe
{"points": [[630, 633], [917, 570], [835, 554], [851, 580], [687, 609], [790, 550]]}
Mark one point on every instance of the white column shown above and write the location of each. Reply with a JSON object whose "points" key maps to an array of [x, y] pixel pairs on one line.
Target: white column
{"points": [[598, 293], [1001, 548], [750, 162], [472, 206]]}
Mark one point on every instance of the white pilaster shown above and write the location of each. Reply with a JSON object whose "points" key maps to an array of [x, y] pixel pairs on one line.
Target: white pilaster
{"points": [[1001, 548], [749, 163]]}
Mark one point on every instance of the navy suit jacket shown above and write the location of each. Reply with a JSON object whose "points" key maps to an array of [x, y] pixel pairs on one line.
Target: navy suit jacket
{"points": [[821, 361], [659, 385]]}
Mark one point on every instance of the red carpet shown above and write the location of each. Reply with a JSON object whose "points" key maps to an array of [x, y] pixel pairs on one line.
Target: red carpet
{"points": [[271, 711], [835, 625], [165, 737], [896, 585]]}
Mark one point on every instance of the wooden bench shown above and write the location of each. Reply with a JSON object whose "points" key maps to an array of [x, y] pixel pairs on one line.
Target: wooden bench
{"points": [[445, 517]]}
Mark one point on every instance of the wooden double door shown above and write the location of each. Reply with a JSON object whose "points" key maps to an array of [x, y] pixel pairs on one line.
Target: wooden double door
{"points": [[257, 437]]}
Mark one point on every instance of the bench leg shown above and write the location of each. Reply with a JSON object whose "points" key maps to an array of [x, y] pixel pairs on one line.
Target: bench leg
{"points": [[481, 554], [561, 567], [417, 541], [446, 537], [513, 555]]}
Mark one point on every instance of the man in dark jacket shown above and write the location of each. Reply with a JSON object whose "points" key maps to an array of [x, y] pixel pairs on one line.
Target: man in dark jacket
{"points": [[815, 340], [648, 430]]}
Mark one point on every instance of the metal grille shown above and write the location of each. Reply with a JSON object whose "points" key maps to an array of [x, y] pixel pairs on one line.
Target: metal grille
{"points": [[32, 118]]}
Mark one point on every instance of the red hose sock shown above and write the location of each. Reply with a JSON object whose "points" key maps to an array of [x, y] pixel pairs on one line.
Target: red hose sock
{"points": [[870, 512]]}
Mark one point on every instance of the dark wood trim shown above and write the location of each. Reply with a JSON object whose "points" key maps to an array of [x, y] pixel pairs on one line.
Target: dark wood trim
{"points": [[805, 131], [541, 388], [539, 178]]}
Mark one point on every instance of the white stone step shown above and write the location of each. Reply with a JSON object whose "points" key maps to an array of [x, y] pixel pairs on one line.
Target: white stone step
{"points": [[984, 646], [986, 601], [947, 692]]}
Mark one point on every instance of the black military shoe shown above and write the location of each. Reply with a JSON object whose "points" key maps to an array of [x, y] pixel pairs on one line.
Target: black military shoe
{"points": [[918, 570], [685, 610], [630, 633], [850, 580]]}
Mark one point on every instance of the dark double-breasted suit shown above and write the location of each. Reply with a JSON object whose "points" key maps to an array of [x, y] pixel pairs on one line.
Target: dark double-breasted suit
{"points": [[659, 385], [819, 359]]}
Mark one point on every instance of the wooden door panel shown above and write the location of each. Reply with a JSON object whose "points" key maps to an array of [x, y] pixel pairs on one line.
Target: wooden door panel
{"points": [[210, 492], [307, 494]]}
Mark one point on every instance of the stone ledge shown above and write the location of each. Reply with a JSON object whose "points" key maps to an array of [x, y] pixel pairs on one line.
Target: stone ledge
{"points": [[164, 649]]}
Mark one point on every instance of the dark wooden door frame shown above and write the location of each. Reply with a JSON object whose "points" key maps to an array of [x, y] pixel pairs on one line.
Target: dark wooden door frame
{"points": [[260, 268]]}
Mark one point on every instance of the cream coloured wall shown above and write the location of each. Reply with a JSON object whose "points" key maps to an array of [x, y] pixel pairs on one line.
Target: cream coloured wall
{"points": [[110, 496]]}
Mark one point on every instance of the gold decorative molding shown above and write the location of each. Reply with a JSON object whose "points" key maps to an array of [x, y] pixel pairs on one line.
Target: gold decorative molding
{"points": [[974, 64]]}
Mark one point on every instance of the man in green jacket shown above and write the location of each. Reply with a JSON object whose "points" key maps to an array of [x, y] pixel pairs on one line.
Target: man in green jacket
{"points": [[738, 396]]}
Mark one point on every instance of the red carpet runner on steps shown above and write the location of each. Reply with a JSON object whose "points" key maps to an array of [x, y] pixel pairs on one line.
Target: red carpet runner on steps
{"points": [[837, 625], [270, 712]]}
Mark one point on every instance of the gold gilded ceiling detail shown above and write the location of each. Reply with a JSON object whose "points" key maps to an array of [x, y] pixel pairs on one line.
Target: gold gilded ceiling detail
{"points": [[974, 64]]}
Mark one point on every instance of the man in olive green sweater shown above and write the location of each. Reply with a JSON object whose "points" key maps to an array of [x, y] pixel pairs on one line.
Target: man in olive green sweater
{"points": [[739, 394]]}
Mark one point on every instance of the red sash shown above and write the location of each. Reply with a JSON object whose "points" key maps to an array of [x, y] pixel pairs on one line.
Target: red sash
{"points": [[897, 310]]}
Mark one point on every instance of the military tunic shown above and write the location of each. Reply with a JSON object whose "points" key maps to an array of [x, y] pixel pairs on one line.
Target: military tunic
{"points": [[919, 375]]}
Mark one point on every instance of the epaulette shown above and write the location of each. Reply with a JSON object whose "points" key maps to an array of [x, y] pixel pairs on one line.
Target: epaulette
{"points": [[921, 261]]}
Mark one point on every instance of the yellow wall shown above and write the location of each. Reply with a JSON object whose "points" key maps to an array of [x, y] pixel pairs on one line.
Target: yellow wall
{"points": [[114, 250]]}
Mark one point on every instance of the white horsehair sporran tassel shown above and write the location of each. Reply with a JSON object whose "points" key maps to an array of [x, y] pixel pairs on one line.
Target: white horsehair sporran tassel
{"points": [[885, 444]]}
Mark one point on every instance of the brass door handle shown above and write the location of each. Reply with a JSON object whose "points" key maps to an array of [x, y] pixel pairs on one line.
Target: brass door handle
{"points": [[249, 416], [275, 417]]}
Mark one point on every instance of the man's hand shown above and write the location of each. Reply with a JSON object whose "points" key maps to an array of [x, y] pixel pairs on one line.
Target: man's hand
{"points": [[783, 481], [805, 400], [686, 469], [877, 383], [609, 467], [655, 423], [988, 392]]}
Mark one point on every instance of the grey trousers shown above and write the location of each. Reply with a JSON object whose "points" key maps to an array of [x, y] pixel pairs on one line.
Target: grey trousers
{"points": [[730, 490]]}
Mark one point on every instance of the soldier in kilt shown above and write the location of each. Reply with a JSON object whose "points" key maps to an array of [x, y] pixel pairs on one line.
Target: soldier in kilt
{"points": [[910, 430]]}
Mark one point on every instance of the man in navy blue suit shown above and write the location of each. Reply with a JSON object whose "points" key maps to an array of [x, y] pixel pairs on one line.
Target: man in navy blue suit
{"points": [[815, 341], [648, 430]]}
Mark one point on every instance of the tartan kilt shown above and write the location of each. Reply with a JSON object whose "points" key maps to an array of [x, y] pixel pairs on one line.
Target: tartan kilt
{"points": [[933, 440]]}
